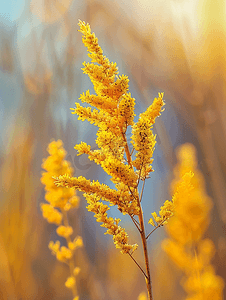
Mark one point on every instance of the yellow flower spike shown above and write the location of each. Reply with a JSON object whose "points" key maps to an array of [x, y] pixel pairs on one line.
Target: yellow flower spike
{"points": [[116, 90], [110, 142], [126, 109], [120, 237], [119, 171], [62, 199], [155, 109], [186, 246], [101, 102], [101, 190], [94, 117], [82, 148], [143, 139]]}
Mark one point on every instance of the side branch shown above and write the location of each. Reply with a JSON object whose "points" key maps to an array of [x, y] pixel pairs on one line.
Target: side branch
{"points": [[160, 224], [127, 149], [138, 265], [144, 242], [136, 223]]}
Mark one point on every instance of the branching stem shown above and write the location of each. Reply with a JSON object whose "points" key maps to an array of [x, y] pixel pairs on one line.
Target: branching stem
{"points": [[135, 223], [137, 265], [141, 194], [144, 242], [142, 229], [155, 229]]}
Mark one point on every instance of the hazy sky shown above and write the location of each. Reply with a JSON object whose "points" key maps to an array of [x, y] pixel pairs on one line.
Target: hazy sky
{"points": [[11, 10]]}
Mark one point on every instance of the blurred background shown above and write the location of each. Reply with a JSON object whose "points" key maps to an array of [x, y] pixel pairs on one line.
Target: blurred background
{"points": [[171, 46]]}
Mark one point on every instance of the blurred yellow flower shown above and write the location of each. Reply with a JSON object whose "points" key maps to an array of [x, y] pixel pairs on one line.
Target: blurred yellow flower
{"points": [[51, 214], [186, 246], [60, 199]]}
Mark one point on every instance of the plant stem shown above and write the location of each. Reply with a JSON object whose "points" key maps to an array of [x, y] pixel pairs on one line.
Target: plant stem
{"points": [[142, 229], [144, 242], [137, 265], [155, 229]]}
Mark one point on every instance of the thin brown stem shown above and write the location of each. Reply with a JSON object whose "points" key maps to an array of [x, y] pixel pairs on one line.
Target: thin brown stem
{"points": [[144, 242], [155, 229], [141, 194], [142, 229], [135, 223], [127, 149], [137, 265]]}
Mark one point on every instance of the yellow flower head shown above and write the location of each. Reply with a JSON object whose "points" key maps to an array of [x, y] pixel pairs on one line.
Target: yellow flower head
{"points": [[113, 114]]}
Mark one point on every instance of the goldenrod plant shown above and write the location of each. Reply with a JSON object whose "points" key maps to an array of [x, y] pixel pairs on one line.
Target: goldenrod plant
{"points": [[114, 113], [60, 201], [186, 246]]}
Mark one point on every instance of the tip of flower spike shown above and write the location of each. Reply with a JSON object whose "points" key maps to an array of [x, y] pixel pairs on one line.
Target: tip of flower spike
{"points": [[61, 180]]}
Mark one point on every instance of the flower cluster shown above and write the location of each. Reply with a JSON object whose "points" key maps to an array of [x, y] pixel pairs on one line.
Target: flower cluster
{"points": [[143, 139], [186, 246], [120, 237], [60, 201], [113, 114], [166, 211]]}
